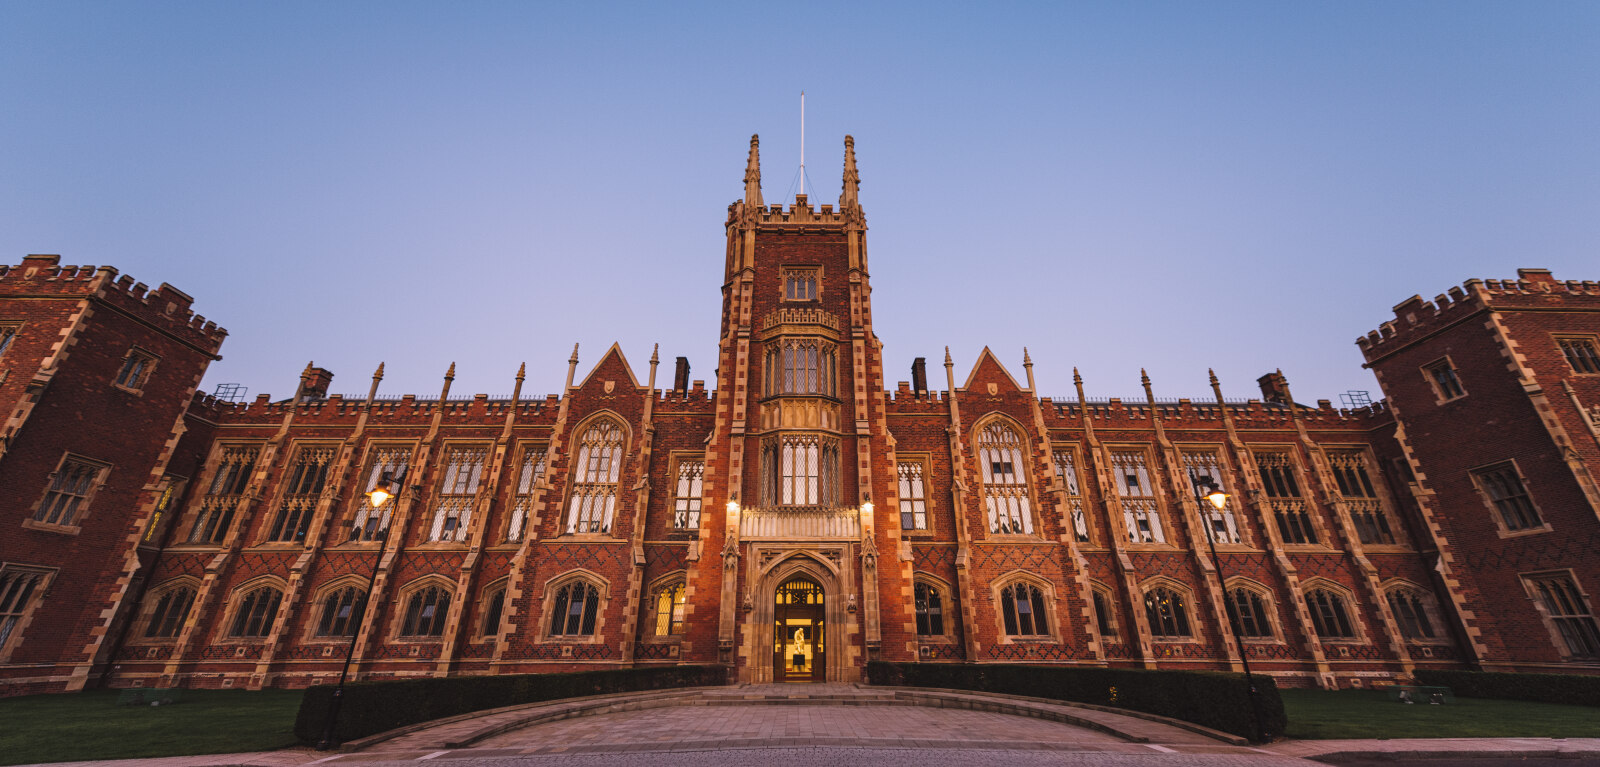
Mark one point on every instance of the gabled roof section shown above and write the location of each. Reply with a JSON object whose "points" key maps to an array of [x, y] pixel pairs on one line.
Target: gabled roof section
{"points": [[614, 364], [988, 369]]}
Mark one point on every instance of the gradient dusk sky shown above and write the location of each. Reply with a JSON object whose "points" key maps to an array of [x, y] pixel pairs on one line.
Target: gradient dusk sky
{"points": [[1173, 186]]}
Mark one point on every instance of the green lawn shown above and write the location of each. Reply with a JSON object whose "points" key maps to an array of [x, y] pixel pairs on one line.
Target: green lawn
{"points": [[90, 725], [1324, 714]]}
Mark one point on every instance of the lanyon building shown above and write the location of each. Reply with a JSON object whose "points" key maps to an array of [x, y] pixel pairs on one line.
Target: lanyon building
{"points": [[797, 518]]}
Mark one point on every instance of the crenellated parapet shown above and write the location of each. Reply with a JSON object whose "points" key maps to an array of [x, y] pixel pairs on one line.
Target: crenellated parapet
{"points": [[1417, 318], [166, 307], [798, 215]]}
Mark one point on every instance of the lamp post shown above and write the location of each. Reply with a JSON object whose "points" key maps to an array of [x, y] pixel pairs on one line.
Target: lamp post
{"points": [[1206, 491], [386, 489]]}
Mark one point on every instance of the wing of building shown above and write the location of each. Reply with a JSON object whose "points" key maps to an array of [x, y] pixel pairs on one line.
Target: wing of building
{"points": [[798, 518]]}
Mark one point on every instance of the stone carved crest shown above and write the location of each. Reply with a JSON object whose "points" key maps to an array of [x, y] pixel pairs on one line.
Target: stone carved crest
{"points": [[610, 385], [993, 388]]}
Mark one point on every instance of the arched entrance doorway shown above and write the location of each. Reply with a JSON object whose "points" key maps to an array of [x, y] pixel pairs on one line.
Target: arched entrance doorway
{"points": [[798, 636]]}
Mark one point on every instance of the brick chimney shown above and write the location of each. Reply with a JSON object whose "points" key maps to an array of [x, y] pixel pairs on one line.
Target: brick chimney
{"points": [[1274, 388], [919, 375], [680, 375], [316, 386]]}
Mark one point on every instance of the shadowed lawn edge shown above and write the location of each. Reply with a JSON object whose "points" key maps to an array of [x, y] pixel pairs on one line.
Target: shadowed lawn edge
{"points": [[1369, 714], [90, 725]]}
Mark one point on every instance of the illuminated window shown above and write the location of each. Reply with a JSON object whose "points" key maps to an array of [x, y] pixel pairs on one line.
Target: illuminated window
{"points": [[1167, 612], [669, 606], [800, 470], [800, 366]]}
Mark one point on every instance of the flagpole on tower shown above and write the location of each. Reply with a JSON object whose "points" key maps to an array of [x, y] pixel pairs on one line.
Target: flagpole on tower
{"points": [[802, 142]]}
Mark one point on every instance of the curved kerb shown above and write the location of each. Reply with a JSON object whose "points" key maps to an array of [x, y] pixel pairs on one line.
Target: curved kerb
{"points": [[1131, 726]]}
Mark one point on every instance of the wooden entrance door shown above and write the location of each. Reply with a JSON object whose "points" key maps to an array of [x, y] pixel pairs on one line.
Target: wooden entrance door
{"points": [[798, 644]]}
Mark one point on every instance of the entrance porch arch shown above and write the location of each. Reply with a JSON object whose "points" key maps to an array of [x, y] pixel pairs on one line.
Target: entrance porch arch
{"points": [[823, 626]]}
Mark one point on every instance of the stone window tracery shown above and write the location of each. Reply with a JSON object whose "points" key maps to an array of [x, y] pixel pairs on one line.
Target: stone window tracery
{"points": [[1360, 496], [800, 470], [1167, 611], [1223, 525], [669, 603], [135, 370], [1289, 507], [1412, 608], [913, 495], [1578, 350], [172, 605], [1023, 610], [307, 474], [1067, 467], [800, 366], [1005, 479], [494, 606], [1105, 614], [229, 479], [1329, 616], [458, 491], [1249, 612], [256, 612], [21, 590], [1568, 614], [1503, 489], [687, 492], [1141, 511], [70, 491], [529, 471], [341, 610], [575, 610], [426, 611], [370, 523], [595, 473]]}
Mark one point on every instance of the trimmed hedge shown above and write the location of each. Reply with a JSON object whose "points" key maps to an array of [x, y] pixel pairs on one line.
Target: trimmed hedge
{"points": [[1571, 689], [1212, 699], [373, 707]]}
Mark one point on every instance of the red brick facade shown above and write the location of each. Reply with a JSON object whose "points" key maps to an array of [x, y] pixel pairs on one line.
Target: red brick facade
{"points": [[624, 522]]}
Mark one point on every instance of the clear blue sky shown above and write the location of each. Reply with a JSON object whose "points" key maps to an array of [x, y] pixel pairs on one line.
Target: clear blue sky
{"points": [[1173, 186]]}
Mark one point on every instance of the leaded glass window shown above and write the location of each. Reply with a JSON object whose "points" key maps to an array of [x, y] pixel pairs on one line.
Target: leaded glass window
{"points": [[913, 494], [369, 522], [686, 496], [1167, 612], [172, 607], [575, 610], [458, 491], [341, 611], [1222, 525], [1141, 511], [1023, 610], [1005, 479], [229, 479], [426, 611], [529, 471], [1067, 468], [595, 473], [307, 474]]}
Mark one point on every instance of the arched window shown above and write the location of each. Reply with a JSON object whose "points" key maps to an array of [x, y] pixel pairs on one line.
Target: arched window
{"points": [[256, 612], [1247, 613], [494, 607], [1411, 613], [669, 603], [800, 366], [595, 472], [1167, 613], [172, 607], [1023, 609], [930, 610], [341, 610], [425, 612], [1328, 615], [1105, 617], [1005, 479], [800, 470], [575, 609]]}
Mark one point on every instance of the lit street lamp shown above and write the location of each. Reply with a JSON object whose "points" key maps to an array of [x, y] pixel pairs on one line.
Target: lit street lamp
{"points": [[387, 488], [1206, 491]]}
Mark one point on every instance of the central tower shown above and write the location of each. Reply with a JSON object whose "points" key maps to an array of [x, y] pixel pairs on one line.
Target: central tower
{"points": [[799, 424]]}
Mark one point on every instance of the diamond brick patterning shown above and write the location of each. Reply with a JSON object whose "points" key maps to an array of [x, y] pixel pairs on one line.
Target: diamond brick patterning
{"points": [[72, 593]]}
